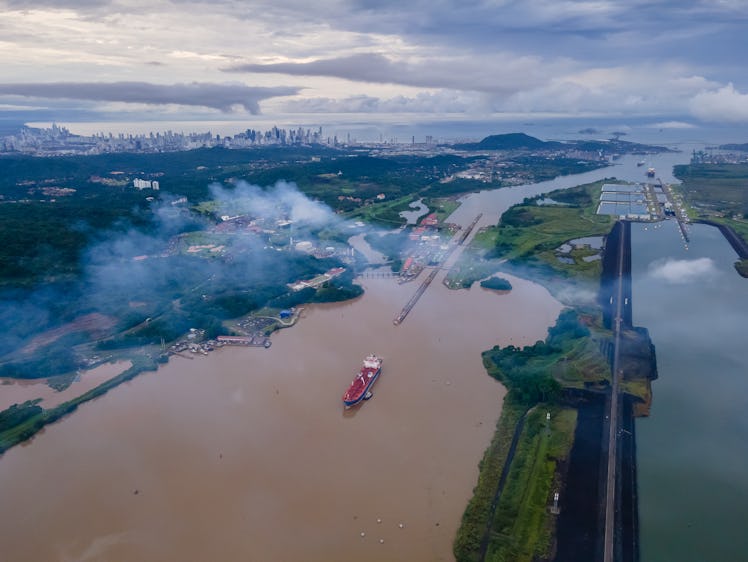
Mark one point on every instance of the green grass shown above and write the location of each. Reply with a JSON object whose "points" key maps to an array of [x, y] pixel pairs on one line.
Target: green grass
{"points": [[443, 206], [387, 213], [523, 526]]}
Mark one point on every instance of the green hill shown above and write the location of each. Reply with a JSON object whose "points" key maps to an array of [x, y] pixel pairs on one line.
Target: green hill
{"points": [[509, 141]]}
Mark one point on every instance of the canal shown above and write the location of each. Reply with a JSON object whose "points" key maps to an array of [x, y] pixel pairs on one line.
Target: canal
{"points": [[692, 454]]}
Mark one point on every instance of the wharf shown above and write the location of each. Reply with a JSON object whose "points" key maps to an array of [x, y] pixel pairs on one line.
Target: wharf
{"points": [[426, 282]]}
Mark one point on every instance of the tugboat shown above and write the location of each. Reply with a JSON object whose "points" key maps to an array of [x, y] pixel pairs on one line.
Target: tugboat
{"points": [[360, 388]]}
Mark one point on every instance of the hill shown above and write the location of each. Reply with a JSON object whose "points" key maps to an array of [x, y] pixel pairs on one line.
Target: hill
{"points": [[509, 141]]}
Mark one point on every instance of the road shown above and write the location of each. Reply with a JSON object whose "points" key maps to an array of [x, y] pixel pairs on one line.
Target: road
{"points": [[610, 483]]}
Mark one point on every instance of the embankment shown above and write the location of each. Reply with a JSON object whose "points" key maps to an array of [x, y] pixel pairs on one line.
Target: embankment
{"points": [[582, 520], [738, 244]]}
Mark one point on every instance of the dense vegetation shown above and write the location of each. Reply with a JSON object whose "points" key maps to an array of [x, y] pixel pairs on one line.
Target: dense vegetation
{"points": [[528, 372], [496, 283]]}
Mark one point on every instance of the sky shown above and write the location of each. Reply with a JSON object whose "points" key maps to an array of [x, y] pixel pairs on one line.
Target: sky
{"points": [[675, 62]]}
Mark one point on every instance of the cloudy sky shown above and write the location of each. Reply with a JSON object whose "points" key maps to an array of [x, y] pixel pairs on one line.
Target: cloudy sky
{"points": [[230, 59]]}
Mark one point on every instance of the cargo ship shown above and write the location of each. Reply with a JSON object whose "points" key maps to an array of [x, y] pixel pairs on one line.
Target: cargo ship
{"points": [[360, 388]]}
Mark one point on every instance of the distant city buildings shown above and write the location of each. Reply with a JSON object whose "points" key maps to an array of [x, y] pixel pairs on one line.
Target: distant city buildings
{"points": [[59, 141]]}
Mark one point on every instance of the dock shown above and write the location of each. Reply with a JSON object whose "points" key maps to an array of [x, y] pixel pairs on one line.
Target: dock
{"points": [[426, 282], [414, 299]]}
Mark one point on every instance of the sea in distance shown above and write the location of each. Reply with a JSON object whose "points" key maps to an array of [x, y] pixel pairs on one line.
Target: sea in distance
{"points": [[407, 128], [249, 453]]}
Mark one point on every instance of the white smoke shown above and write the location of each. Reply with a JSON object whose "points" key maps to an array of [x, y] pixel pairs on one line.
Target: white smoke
{"points": [[280, 201], [683, 271]]}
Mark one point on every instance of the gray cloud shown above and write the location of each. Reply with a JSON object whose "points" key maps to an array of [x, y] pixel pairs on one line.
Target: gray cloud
{"points": [[503, 74], [224, 97], [439, 102]]}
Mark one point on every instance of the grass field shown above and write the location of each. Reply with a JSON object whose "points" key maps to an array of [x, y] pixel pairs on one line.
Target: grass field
{"points": [[522, 528], [529, 237]]}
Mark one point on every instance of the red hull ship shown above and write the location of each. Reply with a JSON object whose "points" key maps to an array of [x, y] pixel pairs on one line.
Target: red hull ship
{"points": [[360, 388]]}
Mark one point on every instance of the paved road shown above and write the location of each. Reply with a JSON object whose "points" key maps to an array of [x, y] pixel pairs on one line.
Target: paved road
{"points": [[610, 484]]}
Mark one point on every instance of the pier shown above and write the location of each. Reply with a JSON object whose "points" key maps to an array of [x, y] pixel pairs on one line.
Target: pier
{"points": [[426, 282], [414, 299], [679, 212]]}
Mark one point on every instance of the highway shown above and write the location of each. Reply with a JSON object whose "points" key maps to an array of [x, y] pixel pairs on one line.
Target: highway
{"points": [[610, 482]]}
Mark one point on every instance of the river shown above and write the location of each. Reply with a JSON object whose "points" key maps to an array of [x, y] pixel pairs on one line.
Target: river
{"points": [[692, 454], [247, 453]]}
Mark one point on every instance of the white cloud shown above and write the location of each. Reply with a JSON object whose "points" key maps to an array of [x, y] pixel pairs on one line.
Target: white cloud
{"points": [[672, 125], [723, 105], [683, 271]]}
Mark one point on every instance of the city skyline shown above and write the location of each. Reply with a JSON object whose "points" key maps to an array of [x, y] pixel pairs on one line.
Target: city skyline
{"points": [[678, 64]]}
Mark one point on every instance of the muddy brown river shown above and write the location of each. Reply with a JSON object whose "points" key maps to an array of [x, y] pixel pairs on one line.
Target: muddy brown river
{"points": [[248, 454]]}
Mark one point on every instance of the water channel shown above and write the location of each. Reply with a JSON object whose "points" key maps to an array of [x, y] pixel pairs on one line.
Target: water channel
{"points": [[692, 454]]}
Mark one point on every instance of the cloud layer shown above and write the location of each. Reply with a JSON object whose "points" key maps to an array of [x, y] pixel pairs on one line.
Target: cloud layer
{"points": [[224, 97], [660, 59]]}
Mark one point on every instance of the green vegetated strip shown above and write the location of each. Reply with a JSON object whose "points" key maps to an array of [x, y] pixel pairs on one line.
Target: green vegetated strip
{"points": [[475, 520], [20, 422], [522, 528]]}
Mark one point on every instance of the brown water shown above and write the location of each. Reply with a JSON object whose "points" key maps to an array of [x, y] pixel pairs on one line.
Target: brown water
{"points": [[247, 454], [17, 391]]}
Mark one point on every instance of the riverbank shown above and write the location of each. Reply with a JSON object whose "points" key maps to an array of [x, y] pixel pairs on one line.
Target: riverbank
{"points": [[29, 418], [736, 241]]}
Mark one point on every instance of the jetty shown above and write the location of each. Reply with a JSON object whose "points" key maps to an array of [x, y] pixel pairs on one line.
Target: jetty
{"points": [[426, 282]]}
